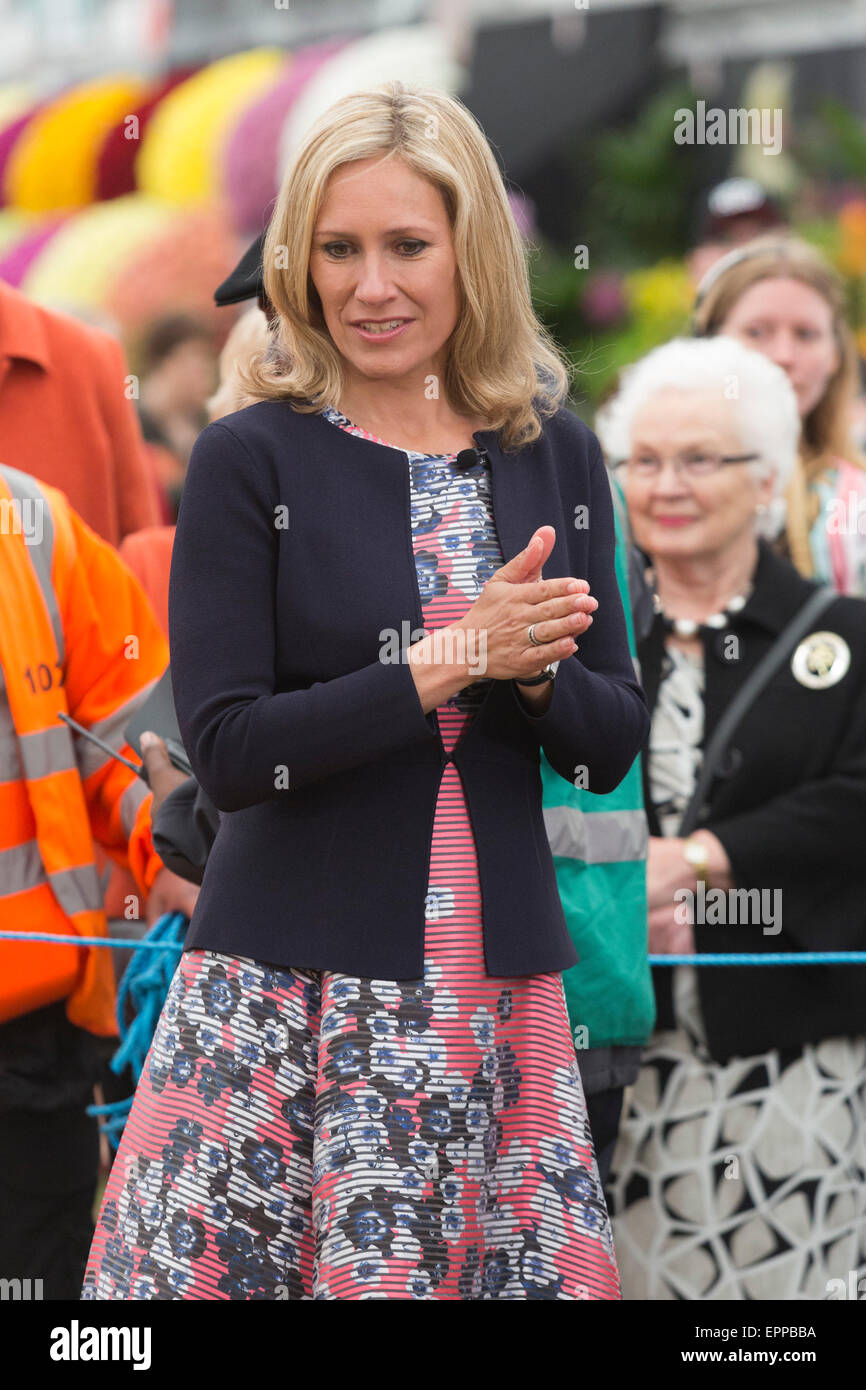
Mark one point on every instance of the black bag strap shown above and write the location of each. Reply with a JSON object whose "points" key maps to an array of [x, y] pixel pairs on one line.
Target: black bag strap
{"points": [[746, 696]]}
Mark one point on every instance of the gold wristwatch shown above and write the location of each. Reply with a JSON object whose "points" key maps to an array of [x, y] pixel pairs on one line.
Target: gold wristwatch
{"points": [[698, 856]]}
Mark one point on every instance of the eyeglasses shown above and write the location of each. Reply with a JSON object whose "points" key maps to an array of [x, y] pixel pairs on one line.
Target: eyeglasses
{"points": [[700, 463]]}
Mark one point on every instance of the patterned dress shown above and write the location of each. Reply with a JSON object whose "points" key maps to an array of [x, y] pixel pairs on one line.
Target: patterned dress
{"points": [[745, 1180], [307, 1134]]}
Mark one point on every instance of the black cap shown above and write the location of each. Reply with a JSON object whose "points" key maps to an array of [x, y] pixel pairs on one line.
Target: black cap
{"points": [[737, 198], [247, 279]]}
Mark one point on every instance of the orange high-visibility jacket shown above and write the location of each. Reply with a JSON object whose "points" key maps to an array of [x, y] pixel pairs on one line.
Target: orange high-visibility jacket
{"points": [[78, 635]]}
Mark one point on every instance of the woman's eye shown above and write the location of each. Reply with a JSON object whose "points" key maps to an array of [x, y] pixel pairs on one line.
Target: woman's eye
{"points": [[332, 248]]}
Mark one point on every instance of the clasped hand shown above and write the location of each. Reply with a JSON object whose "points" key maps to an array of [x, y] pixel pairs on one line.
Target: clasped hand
{"points": [[516, 597]]}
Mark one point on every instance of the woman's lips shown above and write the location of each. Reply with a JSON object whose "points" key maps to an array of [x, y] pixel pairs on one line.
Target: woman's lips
{"points": [[382, 337], [674, 520]]}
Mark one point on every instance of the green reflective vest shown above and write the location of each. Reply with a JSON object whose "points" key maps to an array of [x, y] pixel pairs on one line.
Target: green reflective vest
{"points": [[599, 846]]}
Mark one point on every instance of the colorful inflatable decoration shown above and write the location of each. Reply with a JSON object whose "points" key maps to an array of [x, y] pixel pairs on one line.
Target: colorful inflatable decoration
{"points": [[90, 250], [174, 272], [115, 165], [250, 179], [180, 159], [25, 249], [53, 164]]}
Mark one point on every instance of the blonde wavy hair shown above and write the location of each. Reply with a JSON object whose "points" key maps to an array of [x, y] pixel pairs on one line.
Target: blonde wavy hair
{"points": [[826, 432], [249, 334], [503, 365]]}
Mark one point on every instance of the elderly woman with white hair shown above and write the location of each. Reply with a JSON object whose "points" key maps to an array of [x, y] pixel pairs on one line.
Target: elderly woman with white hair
{"points": [[740, 1171]]}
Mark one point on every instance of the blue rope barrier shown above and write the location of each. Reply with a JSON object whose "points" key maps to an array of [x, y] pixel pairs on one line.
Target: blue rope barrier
{"points": [[766, 958], [148, 943], [118, 942]]}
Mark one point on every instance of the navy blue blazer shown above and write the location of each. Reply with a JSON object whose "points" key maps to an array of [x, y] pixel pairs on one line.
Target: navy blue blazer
{"points": [[293, 552]]}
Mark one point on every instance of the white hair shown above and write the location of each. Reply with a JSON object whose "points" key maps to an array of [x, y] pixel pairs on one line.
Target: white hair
{"points": [[763, 398], [249, 334]]}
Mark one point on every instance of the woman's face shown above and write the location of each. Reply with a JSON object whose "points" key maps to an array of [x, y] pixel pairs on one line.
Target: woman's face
{"points": [[677, 516], [792, 324], [382, 250]]}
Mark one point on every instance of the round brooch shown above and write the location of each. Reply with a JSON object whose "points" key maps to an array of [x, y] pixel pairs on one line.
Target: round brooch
{"points": [[821, 659]]}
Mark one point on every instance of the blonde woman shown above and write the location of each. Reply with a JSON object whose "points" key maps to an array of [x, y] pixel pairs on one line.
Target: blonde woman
{"points": [[779, 296], [363, 1084]]}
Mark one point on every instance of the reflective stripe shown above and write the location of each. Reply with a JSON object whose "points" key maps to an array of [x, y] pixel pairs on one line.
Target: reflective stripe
{"points": [[636, 664], [597, 837], [21, 868], [49, 750], [130, 802], [89, 758], [89, 755], [25, 489], [77, 890], [10, 758]]}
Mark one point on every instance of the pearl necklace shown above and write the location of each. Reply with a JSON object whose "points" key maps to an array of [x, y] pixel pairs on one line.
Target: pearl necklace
{"points": [[690, 627]]}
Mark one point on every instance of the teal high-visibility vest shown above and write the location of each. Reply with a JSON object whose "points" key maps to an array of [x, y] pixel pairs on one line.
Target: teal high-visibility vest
{"points": [[599, 846]]}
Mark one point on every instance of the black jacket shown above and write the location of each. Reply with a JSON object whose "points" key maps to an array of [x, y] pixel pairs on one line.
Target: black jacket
{"points": [[292, 561], [789, 806], [184, 829]]}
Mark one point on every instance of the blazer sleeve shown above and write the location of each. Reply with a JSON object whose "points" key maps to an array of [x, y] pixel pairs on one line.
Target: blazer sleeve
{"points": [[238, 730], [597, 719], [184, 829]]}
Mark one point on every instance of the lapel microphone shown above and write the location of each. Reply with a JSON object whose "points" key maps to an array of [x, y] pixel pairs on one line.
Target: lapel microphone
{"points": [[468, 458]]}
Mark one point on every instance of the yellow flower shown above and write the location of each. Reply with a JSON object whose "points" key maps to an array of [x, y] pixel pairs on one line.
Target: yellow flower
{"points": [[664, 291], [181, 152], [852, 252], [54, 162]]}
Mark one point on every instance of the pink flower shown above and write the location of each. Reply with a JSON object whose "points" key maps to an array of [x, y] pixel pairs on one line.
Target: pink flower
{"points": [[603, 301]]}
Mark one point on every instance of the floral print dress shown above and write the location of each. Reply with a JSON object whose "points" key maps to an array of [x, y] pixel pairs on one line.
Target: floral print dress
{"points": [[306, 1134]]}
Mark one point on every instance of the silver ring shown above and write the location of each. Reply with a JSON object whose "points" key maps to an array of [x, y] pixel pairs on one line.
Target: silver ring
{"points": [[532, 637]]}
